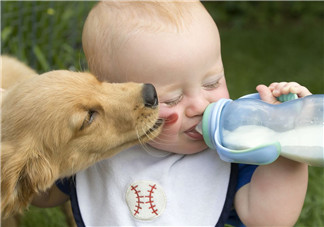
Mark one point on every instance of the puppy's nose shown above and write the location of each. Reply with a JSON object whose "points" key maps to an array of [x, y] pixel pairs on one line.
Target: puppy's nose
{"points": [[149, 96]]}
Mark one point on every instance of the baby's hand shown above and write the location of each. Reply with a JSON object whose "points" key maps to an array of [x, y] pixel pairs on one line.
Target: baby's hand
{"points": [[270, 94]]}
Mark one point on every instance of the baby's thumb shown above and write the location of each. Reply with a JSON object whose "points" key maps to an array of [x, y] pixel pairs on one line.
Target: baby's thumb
{"points": [[266, 94]]}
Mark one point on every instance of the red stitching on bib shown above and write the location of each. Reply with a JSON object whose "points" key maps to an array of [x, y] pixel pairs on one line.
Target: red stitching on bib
{"points": [[154, 211], [138, 206]]}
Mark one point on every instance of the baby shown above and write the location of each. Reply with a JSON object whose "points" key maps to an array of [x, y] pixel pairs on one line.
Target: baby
{"points": [[175, 179]]}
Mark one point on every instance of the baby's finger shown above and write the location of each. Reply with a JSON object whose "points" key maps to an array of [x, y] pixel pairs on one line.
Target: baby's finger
{"points": [[266, 94], [286, 89], [301, 91], [273, 85], [278, 88]]}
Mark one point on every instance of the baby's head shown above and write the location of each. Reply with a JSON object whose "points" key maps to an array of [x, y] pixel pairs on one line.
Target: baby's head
{"points": [[173, 45], [110, 24]]}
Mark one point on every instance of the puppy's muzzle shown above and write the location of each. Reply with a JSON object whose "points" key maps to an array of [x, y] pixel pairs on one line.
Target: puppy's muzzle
{"points": [[149, 96]]}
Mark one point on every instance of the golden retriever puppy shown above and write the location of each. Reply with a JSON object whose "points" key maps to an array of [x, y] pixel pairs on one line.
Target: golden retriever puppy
{"points": [[61, 122], [13, 71]]}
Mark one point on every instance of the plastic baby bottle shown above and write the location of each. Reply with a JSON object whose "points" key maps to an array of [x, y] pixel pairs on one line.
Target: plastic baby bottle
{"points": [[248, 130]]}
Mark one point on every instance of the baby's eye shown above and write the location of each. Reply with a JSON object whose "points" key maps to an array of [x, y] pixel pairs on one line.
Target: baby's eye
{"points": [[211, 85], [173, 102]]}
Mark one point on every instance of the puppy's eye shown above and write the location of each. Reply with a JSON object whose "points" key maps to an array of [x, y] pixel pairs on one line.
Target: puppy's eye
{"points": [[89, 119]]}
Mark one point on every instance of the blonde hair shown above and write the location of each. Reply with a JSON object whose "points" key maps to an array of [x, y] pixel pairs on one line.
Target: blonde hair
{"points": [[110, 23]]}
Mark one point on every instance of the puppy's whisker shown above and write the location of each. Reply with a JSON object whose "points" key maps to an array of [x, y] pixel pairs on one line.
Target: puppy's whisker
{"points": [[160, 141], [138, 136], [147, 134], [151, 135], [145, 147], [165, 135]]}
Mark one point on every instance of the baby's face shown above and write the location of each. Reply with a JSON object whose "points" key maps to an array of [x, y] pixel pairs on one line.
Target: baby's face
{"points": [[187, 70]]}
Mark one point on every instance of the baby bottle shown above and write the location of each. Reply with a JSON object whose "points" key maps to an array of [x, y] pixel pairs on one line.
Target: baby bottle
{"points": [[248, 130]]}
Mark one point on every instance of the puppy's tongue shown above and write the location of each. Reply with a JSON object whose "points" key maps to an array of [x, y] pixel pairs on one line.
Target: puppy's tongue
{"points": [[171, 119]]}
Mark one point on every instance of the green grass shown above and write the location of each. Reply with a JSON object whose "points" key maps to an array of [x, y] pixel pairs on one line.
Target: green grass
{"points": [[49, 217], [313, 210], [254, 56], [271, 49], [45, 34]]}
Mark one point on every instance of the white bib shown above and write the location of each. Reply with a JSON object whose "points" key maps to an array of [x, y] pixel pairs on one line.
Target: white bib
{"points": [[140, 188]]}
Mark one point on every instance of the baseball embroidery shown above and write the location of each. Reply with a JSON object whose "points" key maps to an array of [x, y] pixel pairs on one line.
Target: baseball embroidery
{"points": [[146, 200]]}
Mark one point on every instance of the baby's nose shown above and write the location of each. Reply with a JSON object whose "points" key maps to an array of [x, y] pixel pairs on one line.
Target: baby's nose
{"points": [[196, 106], [149, 96]]}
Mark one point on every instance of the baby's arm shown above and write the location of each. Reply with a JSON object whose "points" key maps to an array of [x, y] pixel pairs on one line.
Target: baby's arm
{"points": [[52, 197], [276, 193]]}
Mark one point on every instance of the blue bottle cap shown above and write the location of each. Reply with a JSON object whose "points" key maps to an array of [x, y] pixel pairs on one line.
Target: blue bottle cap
{"points": [[211, 132], [288, 97]]}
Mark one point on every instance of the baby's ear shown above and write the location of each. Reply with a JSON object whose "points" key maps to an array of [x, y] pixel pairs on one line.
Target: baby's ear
{"points": [[23, 174]]}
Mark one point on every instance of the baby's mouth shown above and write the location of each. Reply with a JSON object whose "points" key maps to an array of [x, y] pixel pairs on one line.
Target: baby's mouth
{"points": [[194, 134]]}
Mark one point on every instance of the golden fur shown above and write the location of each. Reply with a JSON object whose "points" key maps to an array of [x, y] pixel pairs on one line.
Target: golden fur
{"points": [[61, 122], [14, 71]]}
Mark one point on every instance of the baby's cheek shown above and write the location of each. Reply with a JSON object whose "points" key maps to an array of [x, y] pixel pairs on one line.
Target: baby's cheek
{"points": [[164, 111], [170, 117], [170, 131]]}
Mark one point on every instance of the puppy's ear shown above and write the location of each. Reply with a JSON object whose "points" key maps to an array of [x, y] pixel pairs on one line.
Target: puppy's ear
{"points": [[23, 174]]}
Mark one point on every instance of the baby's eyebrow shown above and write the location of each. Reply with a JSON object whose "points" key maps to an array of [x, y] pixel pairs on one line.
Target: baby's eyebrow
{"points": [[169, 89], [214, 77], [168, 95], [220, 73]]}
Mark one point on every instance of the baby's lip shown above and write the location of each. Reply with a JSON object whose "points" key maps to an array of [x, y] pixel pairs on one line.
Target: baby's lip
{"points": [[193, 133]]}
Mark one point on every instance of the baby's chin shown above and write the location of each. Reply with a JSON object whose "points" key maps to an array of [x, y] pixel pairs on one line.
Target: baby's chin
{"points": [[179, 149]]}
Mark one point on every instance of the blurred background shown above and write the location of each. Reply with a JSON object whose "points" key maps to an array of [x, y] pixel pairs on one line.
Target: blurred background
{"points": [[262, 42]]}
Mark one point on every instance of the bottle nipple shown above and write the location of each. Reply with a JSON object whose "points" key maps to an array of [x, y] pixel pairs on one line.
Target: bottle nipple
{"points": [[199, 128]]}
